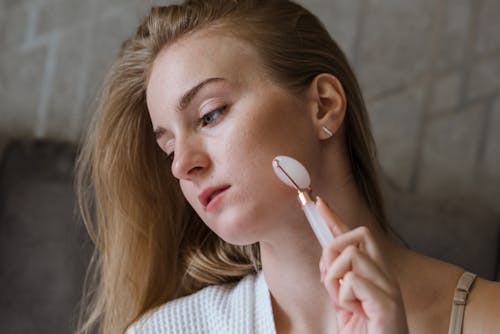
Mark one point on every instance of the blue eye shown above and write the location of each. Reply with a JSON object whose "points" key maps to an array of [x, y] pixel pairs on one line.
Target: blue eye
{"points": [[212, 117]]}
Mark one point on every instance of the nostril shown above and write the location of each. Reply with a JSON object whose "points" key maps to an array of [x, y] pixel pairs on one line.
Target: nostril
{"points": [[195, 169]]}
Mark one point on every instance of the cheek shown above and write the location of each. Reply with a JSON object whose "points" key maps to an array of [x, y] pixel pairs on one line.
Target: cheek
{"points": [[277, 126], [190, 194]]}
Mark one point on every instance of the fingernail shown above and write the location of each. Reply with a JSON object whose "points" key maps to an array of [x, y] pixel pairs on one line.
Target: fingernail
{"points": [[322, 270]]}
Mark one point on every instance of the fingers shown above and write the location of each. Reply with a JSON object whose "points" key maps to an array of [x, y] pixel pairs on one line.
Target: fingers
{"points": [[361, 297], [355, 261], [362, 239], [357, 278], [355, 252], [356, 284], [358, 294]]}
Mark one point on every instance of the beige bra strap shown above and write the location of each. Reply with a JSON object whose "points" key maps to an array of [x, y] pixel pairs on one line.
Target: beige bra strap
{"points": [[459, 301]]}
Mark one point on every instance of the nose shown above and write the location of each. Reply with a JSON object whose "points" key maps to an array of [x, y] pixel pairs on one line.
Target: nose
{"points": [[190, 160]]}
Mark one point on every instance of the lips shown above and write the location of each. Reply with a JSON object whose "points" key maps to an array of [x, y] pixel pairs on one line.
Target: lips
{"points": [[209, 194]]}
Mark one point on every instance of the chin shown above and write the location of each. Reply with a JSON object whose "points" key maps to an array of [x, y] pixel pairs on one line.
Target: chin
{"points": [[236, 227]]}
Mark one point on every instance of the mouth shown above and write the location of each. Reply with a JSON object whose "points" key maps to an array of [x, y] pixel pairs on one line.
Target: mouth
{"points": [[209, 194]]}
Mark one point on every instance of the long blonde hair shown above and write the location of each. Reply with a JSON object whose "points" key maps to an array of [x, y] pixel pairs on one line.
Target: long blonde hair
{"points": [[150, 246]]}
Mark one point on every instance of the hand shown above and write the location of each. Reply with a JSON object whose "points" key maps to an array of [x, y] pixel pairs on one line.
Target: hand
{"points": [[365, 295]]}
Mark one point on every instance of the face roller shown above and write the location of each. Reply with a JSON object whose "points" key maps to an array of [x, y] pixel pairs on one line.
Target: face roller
{"points": [[294, 174]]}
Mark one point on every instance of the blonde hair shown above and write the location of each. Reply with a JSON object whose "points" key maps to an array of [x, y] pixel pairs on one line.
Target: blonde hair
{"points": [[150, 246]]}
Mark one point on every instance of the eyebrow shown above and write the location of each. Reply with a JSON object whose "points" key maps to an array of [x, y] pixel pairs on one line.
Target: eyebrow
{"points": [[185, 100]]}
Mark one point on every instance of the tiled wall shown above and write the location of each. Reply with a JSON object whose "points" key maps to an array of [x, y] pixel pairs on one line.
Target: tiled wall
{"points": [[430, 70]]}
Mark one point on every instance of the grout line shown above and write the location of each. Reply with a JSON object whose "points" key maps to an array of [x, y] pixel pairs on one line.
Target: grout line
{"points": [[392, 91], [45, 38], [363, 8], [438, 74], [438, 22], [79, 112], [486, 128], [40, 127], [468, 104], [469, 50], [33, 15]]}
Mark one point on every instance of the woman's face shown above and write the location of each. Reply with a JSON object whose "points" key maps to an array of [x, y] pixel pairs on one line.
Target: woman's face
{"points": [[222, 120]]}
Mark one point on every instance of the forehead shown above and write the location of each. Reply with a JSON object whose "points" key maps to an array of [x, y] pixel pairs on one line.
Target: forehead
{"points": [[192, 59]]}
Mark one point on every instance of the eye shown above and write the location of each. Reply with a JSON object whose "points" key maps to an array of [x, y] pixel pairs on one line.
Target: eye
{"points": [[169, 150], [212, 117]]}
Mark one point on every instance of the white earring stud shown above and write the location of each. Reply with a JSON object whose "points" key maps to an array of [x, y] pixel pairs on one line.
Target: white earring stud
{"points": [[328, 131]]}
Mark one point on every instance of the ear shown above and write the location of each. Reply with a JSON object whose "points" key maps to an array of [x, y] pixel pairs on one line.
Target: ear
{"points": [[329, 104]]}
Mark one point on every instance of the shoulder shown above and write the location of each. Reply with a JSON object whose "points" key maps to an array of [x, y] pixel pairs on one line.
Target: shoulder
{"points": [[214, 309], [483, 307]]}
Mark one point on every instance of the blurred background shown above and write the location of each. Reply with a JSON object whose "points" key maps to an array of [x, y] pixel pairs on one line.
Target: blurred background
{"points": [[430, 73]]}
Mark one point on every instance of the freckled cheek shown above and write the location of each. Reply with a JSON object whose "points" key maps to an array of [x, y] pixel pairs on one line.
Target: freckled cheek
{"points": [[255, 132], [249, 156]]}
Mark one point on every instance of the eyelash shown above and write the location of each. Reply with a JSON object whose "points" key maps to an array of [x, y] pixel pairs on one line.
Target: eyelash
{"points": [[202, 122]]}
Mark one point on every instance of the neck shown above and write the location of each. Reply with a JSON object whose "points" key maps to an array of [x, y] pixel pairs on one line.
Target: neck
{"points": [[290, 262], [299, 300]]}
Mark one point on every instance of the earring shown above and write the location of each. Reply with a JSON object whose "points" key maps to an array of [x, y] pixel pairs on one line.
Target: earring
{"points": [[328, 131]]}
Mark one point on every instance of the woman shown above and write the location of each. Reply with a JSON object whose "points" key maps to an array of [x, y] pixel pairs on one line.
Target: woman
{"points": [[194, 232]]}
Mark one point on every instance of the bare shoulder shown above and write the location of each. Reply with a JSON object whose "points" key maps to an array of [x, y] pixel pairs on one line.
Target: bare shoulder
{"points": [[482, 314]]}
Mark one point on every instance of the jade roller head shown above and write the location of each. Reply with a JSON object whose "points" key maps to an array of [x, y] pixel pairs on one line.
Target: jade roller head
{"points": [[295, 175], [291, 172]]}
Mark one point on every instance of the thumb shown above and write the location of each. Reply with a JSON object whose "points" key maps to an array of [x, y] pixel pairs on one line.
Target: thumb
{"points": [[332, 219]]}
